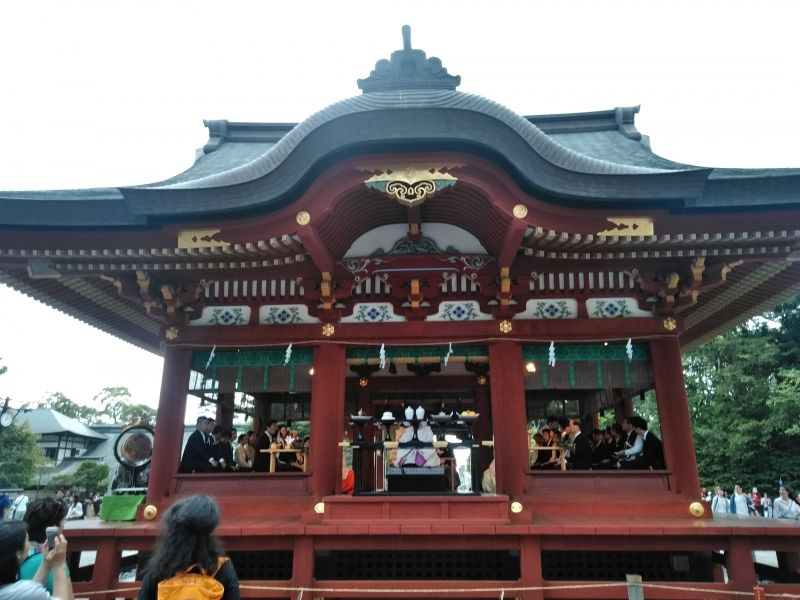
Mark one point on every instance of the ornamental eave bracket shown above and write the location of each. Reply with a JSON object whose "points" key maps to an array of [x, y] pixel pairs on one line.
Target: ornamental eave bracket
{"points": [[410, 185]]}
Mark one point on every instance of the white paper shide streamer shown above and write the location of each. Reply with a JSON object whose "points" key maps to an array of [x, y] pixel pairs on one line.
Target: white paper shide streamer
{"points": [[211, 356], [449, 352], [382, 355], [629, 350], [288, 355], [551, 354]]}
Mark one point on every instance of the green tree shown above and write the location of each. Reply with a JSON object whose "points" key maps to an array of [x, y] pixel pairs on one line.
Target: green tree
{"points": [[59, 402], [20, 456], [743, 392], [113, 400], [91, 476]]}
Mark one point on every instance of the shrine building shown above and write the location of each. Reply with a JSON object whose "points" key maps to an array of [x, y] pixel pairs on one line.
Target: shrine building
{"points": [[420, 272]]}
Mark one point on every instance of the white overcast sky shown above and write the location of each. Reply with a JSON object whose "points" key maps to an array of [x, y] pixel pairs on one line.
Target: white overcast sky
{"points": [[113, 93]]}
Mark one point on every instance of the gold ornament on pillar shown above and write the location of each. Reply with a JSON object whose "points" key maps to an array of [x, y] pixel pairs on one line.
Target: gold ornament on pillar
{"points": [[670, 324], [505, 326], [303, 217], [171, 333], [328, 329], [150, 512], [697, 509]]}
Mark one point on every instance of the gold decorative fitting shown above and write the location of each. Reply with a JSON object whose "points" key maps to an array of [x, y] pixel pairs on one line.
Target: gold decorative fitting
{"points": [[200, 238], [303, 217], [670, 324], [628, 226], [171, 333], [516, 507], [520, 211], [328, 329], [410, 185], [697, 509], [505, 326], [150, 512], [319, 508]]}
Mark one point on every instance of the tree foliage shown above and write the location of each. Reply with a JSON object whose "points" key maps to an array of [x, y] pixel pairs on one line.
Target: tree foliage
{"points": [[20, 456], [91, 476], [744, 399], [117, 408]]}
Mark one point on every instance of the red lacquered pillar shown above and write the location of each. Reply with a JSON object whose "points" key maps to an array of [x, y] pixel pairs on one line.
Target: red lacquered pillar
{"points": [[509, 421], [327, 413], [673, 411], [169, 421]]}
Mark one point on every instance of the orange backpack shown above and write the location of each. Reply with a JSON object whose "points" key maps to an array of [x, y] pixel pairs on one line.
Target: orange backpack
{"points": [[193, 585]]}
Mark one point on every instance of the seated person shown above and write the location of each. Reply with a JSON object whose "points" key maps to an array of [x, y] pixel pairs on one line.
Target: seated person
{"points": [[652, 455], [420, 457], [580, 454], [547, 459], [242, 456], [488, 482], [223, 451], [602, 451], [633, 442], [198, 454]]}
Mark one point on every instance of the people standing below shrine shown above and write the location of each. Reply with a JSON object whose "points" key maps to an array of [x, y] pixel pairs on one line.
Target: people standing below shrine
{"points": [[41, 514], [755, 497], [766, 502], [13, 552], [783, 507], [740, 504], [719, 503], [188, 545], [198, 455], [75, 509]]}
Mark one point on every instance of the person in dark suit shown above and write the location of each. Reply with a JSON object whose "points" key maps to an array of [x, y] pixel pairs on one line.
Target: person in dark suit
{"points": [[265, 440], [652, 456], [580, 456], [198, 454]]}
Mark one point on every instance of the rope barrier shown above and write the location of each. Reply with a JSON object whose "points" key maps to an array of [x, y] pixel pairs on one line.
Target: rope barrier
{"points": [[467, 590]]}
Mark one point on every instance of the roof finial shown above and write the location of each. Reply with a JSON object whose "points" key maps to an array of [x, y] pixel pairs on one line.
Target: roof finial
{"points": [[408, 69]]}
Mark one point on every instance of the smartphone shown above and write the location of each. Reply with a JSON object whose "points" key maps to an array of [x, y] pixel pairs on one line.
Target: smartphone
{"points": [[52, 534]]}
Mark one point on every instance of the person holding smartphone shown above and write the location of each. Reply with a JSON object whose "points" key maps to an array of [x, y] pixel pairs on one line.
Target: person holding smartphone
{"points": [[13, 551], [41, 515]]}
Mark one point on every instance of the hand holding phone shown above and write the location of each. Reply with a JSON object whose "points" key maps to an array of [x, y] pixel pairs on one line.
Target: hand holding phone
{"points": [[52, 534]]}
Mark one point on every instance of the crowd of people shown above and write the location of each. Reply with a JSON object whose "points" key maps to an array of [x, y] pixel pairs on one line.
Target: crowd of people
{"points": [[211, 447], [625, 445], [754, 503], [188, 558]]}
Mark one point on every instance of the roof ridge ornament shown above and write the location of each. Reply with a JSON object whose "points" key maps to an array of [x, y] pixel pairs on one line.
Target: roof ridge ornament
{"points": [[408, 69]]}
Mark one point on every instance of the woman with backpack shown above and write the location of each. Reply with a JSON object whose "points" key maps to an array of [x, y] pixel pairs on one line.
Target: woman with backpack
{"points": [[188, 561]]}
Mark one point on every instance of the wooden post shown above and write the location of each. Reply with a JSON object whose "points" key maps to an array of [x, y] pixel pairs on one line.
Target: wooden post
{"points": [[327, 413], [169, 422], [508, 417], [224, 414], [530, 557], [635, 590], [673, 411], [739, 562]]}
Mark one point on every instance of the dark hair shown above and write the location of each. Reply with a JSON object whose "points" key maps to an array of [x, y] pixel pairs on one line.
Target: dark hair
{"points": [[240, 438], [186, 538], [12, 540], [596, 432], [201, 420], [270, 423], [250, 432], [639, 423], [563, 422], [41, 514]]}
